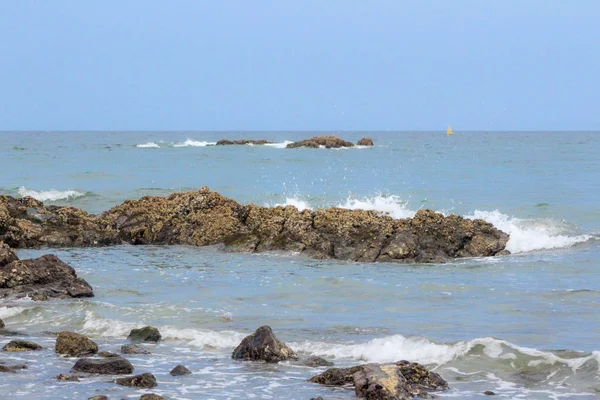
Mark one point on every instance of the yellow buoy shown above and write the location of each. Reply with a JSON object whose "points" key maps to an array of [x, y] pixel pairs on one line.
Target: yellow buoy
{"points": [[449, 131]]}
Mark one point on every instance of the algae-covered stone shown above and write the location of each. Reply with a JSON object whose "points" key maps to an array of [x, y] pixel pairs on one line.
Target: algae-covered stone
{"points": [[21, 345], [74, 345], [145, 334], [146, 381]]}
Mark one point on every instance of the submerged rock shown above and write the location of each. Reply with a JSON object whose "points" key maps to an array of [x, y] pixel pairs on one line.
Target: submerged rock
{"points": [[146, 380], [328, 142], [107, 354], [180, 370], [262, 345], [400, 381], [203, 218], [21, 345], [314, 361], [12, 368], [74, 345], [133, 349], [365, 142], [145, 334], [151, 396], [489, 393], [101, 397], [67, 378], [106, 366], [225, 142], [41, 279]]}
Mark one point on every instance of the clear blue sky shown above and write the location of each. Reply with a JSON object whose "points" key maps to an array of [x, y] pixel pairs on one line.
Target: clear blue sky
{"points": [[299, 64]]}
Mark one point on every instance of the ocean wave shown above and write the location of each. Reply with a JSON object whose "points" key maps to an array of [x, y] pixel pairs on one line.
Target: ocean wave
{"points": [[292, 201], [8, 312], [393, 206], [194, 143], [281, 145], [149, 145], [50, 195]]}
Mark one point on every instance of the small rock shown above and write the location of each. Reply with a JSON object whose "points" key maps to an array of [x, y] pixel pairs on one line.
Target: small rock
{"points": [[489, 393], [314, 361], [1, 324], [133, 349], [262, 345], [21, 345], [146, 380], [107, 354], [74, 345], [365, 142], [145, 334], [65, 377], [317, 398], [180, 370], [151, 396], [106, 366], [4, 368], [98, 398], [19, 366]]}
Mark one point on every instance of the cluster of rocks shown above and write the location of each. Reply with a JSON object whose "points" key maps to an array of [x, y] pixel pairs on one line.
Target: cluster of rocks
{"points": [[204, 218], [71, 344], [328, 142], [226, 142]]}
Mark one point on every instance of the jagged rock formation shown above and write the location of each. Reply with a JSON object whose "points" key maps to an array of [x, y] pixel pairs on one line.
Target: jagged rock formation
{"points": [[365, 142], [262, 345], [207, 218], [329, 142]]}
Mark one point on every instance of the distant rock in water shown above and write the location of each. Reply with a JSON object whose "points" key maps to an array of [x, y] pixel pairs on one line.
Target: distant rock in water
{"points": [[225, 142], [365, 142], [262, 345], [180, 370], [400, 381], [40, 279], [203, 218], [145, 334], [74, 345], [329, 142]]}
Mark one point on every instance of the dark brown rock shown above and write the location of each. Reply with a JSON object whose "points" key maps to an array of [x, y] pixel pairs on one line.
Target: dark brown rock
{"points": [[146, 381], [225, 142], [328, 142], [101, 397], [145, 334], [489, 393], [21, 345], [7, 255], [67, 378], [107, 354], [1, 324], [365, 142], [133, 349], [262, 345], [314, 361], [180, 370], [418, 375], [12, 368], [151, 396], [336, 376], [106, 366], [41, 279], [74, 345]]}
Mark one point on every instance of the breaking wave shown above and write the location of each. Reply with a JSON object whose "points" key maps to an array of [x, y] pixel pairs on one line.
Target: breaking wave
{"points": [[149, 145], [194, 143], [50, 195]]}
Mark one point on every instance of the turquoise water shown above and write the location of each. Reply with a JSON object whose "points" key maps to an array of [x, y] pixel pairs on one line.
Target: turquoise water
{"points": [[524, 325]]}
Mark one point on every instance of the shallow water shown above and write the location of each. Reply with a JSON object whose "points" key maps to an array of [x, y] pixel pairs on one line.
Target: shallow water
{"points": [[524, 325]]}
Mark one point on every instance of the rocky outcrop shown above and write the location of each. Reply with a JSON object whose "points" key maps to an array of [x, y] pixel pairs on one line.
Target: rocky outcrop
{"points": [[262, 345], [146, 381], [74, 345], [225, 142], [365, 142], [7, 255], [207, 218], [133, 349], [145, 334], [314, 361], [180, 370], [21, 345], [105, 366], [41, 279], [400, 381], [329, 142]]}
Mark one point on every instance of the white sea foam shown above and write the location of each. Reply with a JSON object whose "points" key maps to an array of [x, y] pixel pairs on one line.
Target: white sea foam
{"points": [[204, 338], [531, 234], [8, 312], [194, 143], [393, 206], [293, 201], [50, 195], [281, 145], [151, 145]]}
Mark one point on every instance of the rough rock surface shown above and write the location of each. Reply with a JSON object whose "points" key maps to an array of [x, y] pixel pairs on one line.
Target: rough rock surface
{"points": [[225, 142], [146, 380], [106, 366], [180, 370], [21, 345], [151, 396], [1, 324], [400, 381], [67, 378], [107, 354], [101, 397], [7, 255], [262, 345], [207, 218], [314, 361], [145, 334], [74, 345], [133, 349], [329, 142], [41, 279], [365, 142]]}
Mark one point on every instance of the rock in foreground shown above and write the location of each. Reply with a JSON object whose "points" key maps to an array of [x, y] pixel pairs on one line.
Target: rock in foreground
{"points": [[207, 218], [21, 345], [41, 279], [106, 366], [74, 345], [262, 345], [329, 142], [400, 381], [146, 381], [145, 334]]}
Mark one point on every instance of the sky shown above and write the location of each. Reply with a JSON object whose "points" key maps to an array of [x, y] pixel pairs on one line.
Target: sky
{"points": [[300, 65]]}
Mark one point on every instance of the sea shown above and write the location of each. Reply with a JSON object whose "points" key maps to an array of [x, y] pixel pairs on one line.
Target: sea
{"points": [[524, 326]]}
